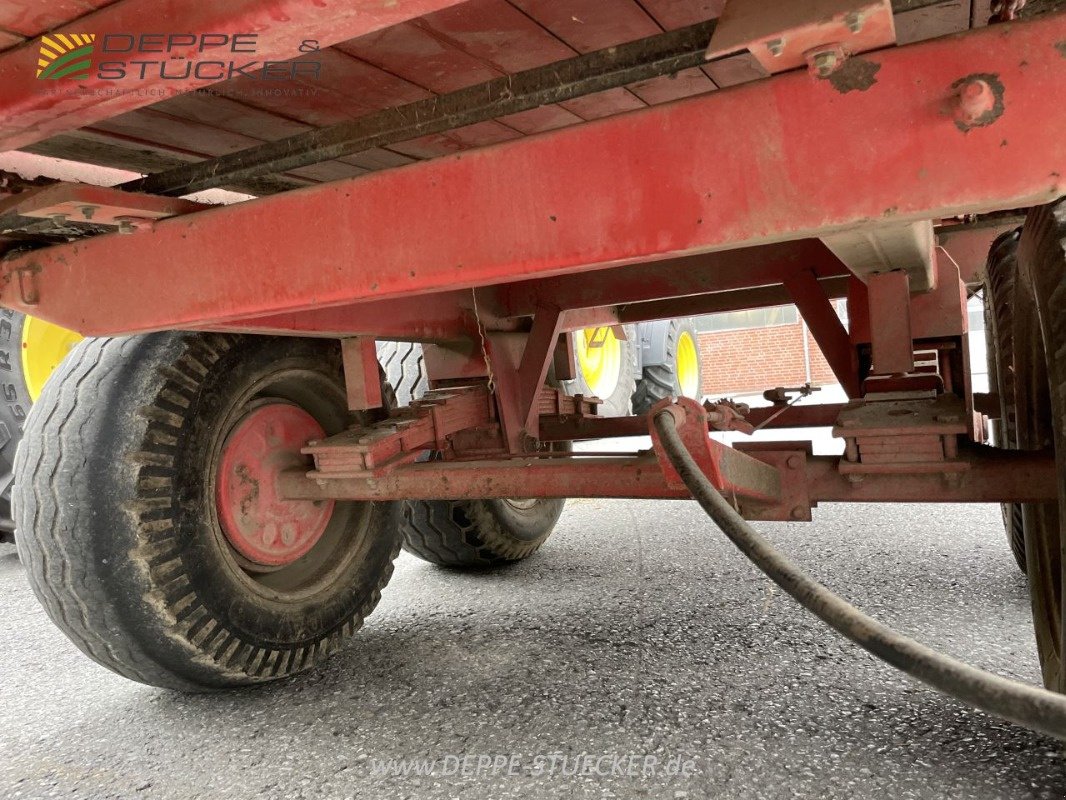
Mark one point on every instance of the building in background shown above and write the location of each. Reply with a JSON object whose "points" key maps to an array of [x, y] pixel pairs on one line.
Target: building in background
{"points": [[743, 353]]}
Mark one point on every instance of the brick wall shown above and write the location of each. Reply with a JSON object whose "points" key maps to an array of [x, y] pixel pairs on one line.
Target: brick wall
{"points": [[751, 360]]}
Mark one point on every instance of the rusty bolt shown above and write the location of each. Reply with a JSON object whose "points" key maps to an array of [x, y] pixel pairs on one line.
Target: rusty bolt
{"points": [[975, 99], [125, 227], [854, 21], [776, 47], [826, 59], [799, 512], [792, 462], [59, 219], [824, 62]]}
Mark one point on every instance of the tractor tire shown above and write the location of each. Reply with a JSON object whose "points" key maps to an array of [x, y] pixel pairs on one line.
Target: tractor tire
{"points": [[669, 379], [477, 533], [125, 499], [16, 405], [1000, 272], [30, 350], [606, 368], [1039, 357]]}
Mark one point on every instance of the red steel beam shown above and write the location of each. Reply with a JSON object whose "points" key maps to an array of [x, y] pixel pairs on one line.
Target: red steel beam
{"points": [[993, 476], [771, 160], [828, 331], [30, 113]]}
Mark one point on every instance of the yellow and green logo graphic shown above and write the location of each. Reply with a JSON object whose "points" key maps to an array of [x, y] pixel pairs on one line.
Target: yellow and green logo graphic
{"points": [[65, 55]]}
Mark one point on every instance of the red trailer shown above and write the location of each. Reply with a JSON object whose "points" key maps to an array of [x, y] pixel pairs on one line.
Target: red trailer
{"points": [[212, 491]]}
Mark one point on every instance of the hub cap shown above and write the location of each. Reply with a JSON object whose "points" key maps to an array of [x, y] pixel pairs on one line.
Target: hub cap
{"points": [[257, 522]]}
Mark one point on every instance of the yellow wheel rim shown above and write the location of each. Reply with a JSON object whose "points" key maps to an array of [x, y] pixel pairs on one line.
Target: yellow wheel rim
{"points": [[599, 357], [688, 365], [44, 345]]}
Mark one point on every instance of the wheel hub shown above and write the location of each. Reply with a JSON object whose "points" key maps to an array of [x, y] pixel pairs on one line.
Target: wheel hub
{"points": [[260, 525]]}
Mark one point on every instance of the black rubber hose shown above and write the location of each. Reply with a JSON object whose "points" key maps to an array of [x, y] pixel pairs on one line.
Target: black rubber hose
{"points": [[1021, 703]]}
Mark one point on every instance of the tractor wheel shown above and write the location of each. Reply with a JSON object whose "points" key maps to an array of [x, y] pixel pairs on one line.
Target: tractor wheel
{"points": [[30, 350], [678, 376], [606, 368], [1039, 346], [148, 519], [999, 340]]}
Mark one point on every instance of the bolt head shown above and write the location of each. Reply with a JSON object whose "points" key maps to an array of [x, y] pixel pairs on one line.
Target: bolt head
{"points": [[87, 211], [799, 512], [792, 462], [825, 62], [854, 21], [776, 47]]}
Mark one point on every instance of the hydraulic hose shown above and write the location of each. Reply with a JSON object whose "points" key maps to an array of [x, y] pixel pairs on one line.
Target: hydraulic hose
{"points": [[1021, 703]]}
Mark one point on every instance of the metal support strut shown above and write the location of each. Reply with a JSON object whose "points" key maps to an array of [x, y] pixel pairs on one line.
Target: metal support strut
{"points": [[1025, 705]]}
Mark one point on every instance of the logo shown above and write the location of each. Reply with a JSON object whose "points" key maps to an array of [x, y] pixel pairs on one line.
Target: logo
{"points": [[65, 55]]}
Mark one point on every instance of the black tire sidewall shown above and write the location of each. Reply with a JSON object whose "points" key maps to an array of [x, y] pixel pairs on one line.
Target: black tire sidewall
{"points": [[154, 549]]}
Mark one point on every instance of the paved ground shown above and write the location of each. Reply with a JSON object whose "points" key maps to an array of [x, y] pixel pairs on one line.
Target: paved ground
{"points": [[636, 632]]}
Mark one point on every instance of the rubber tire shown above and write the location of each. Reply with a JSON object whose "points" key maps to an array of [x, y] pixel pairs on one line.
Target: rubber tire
{"points": [[116, 520], [404, 370], [660, 381], [618, 404], [1039, 314], [13, 411], [1000, 272], [476, 533], [461, 534]]}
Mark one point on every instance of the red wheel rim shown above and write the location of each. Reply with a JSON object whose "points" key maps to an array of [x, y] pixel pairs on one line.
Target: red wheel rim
{"points": [[256, 521]]}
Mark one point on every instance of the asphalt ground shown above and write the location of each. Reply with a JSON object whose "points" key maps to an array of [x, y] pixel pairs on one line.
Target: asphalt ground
{"points": [[636, 655]]}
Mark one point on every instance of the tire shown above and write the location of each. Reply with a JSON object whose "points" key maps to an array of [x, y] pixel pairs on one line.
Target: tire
{"points": [[1039, 330], [616, 388], [999, 339], [119, 517], [477, 533], [661, 381], [13, 411], [404, 370]]}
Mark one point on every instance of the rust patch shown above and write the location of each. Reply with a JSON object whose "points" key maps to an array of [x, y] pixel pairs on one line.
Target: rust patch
{"points": [[854, 75], [990, 116]]}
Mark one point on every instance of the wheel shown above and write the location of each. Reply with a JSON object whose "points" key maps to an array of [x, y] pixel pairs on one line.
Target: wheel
{"points": [[477, 533], [404, 370], [30, 350], [606, 368], [1039, 316], [466, 533], [678, 376], [999, 341], [148, 519]]}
